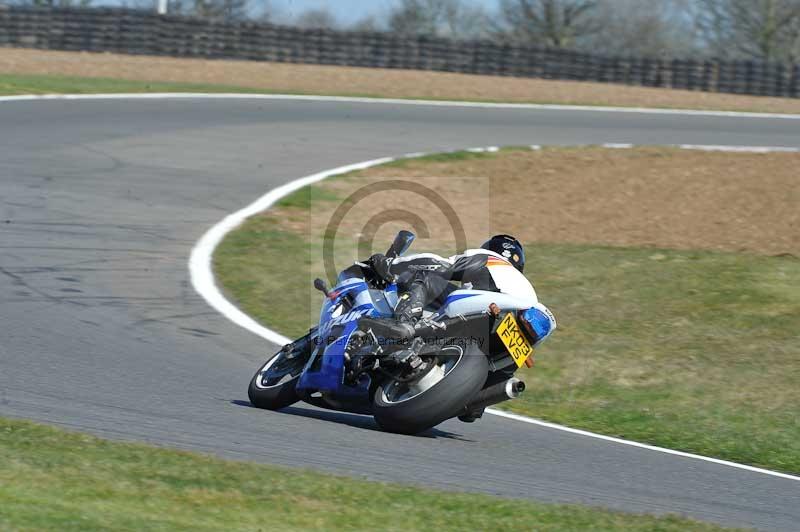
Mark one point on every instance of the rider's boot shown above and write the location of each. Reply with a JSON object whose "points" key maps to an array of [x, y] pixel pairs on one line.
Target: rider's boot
{"points": [[407, 312], [388, 328]]}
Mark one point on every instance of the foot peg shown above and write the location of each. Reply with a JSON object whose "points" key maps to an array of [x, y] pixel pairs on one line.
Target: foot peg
{"points": [[410, 356]]}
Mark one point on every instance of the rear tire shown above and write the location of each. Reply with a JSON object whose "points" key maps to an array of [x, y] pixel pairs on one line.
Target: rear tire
{"points": [[443, 400], [264, 393]]}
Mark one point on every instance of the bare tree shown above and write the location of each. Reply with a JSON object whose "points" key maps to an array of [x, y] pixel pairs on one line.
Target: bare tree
{"points": [[794, 52], [266, 11], [417, 17], [139, 4], [657, 28], [368, 23], [467, 21], [234, 10], [50, 3], [228, 10], [444, 18], [759, 29], [556, 23], [316, 18]]}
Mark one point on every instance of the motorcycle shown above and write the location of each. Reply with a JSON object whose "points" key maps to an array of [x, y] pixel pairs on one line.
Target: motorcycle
{"points": [[461, 359]]}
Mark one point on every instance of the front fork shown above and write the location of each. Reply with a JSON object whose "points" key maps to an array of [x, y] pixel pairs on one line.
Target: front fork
{"points": [[303, 346]]}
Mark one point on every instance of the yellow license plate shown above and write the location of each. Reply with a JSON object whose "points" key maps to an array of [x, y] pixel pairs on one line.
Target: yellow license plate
{"points": [[518, 346]]}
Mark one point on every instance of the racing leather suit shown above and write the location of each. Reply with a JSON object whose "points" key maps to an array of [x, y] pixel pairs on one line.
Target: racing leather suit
{"points": [[426, 278]]}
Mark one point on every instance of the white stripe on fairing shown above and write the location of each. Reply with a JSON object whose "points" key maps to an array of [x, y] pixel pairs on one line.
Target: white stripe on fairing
{"points": [[200, 258], [398, 101], [415, 256]]}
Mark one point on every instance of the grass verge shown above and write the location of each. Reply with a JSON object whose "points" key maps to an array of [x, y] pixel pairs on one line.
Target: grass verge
{"points": [[691, 350], [12, 84], [254, 76], [56, 480]]}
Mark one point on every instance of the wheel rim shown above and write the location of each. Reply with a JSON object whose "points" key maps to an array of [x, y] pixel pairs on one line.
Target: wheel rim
{"points": [[446, 361], [279, 370]]}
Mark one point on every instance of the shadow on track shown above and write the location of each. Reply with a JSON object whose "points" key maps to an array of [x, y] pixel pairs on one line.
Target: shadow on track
{"points": [[353, 420]]}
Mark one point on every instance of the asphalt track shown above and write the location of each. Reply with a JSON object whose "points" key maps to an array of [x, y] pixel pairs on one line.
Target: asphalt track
{"points": [[100, 205]]}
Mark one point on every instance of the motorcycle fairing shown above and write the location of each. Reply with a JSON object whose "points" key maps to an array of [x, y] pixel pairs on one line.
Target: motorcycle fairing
{"points": [[336, 325]]}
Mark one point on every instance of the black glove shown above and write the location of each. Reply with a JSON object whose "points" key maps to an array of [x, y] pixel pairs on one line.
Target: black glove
{"points": [[381, 266]]}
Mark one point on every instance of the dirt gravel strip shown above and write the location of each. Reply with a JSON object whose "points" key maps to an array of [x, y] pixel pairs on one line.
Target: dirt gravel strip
{"points": [[389, 83], [202, 277]]}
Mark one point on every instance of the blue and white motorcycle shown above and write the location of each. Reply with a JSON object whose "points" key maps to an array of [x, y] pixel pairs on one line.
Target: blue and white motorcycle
{"points": [[461, 360]]}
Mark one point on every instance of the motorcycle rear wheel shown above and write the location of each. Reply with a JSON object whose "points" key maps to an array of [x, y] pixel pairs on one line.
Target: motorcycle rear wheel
{"points": [[440, 394]]}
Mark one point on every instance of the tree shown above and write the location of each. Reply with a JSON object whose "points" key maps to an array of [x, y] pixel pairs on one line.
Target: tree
{"points": [[556, 23], [758, 29], [51, 3], [367, 23], [657, 28], [794, 52], [266, 11], [228, 10], [148, 5], [443, 18], [316, 18]]}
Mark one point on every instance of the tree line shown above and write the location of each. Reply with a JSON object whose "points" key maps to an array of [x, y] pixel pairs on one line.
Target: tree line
{"points": [[766, 30]]}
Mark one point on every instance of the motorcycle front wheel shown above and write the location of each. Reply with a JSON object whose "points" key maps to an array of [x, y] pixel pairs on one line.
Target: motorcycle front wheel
{"points": [[273, 385], [441, 393]]}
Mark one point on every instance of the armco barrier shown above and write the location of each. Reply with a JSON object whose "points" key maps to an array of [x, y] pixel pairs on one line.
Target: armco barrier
{"points": [[143, 32]]}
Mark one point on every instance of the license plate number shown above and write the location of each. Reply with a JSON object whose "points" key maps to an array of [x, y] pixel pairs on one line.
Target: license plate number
{"points": [[512, 337]]}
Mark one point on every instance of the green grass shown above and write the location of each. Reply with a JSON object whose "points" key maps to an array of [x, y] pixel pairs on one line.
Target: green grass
{"points": [[445, 157], [11, 84], [56, 480], [697, 351], [17, 84], [303, 198]]}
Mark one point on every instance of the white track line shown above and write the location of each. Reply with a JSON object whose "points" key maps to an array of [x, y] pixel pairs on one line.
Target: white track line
{"points": [[203, 282], [202, 275], [200, 269], [397, 101], [742, 149], [532, 421], [698, 147]]}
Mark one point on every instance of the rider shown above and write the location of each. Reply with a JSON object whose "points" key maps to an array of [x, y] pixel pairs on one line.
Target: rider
{"points": [[423, 278]]}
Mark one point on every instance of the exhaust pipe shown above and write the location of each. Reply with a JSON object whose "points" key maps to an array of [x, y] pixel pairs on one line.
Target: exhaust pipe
{"points": [[497, 393]]}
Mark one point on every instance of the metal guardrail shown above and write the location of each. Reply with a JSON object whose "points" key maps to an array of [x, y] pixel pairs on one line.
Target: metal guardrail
{"points": [[142, 32]]}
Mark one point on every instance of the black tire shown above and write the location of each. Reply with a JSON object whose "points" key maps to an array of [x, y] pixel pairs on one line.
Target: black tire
{"points": [[445, 399], [278, 395]]}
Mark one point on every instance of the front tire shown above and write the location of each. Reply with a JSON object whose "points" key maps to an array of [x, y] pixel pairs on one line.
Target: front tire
{"points": [[410, 411], [274, 385]]}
